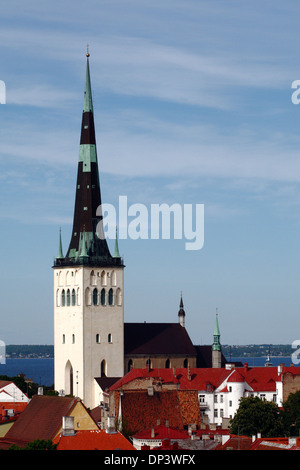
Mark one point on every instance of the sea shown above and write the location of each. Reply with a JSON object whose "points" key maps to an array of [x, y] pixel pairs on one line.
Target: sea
{"points": [[41, 371]]}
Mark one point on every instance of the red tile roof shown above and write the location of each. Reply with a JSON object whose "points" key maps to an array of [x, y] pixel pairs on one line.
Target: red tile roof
{"points": [[161, 432], [236, 443], [259, 378], [93, 440]]}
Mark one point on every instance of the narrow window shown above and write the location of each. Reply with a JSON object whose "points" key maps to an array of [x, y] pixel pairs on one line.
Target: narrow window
{"points": [[110, 297], [95, 296], [97, 338], [130, 365], [103, 369], [103, 297], [167, 366], [63, 298], [109, 338], [73, 297], [73, 339], [68, 297], [185, 363], [63, 339]]}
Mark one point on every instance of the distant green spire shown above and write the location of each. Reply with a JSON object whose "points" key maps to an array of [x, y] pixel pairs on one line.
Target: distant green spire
{"points": [[116, 253], [216, 344], [60, 251], [87, 102]]}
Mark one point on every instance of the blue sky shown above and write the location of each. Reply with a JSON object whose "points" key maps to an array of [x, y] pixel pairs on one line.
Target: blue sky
{"points": [[193, 105]]}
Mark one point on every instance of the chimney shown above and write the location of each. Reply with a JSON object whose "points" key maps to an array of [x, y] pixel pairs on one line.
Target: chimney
{"points": [[167, 423], [68, 426], [152, 432], [189, 373], [246, 366], [111, 425], [40, 391]]}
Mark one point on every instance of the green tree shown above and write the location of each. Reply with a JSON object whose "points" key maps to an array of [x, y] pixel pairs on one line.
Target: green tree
{"points": [[257, 416], [291, 414]]}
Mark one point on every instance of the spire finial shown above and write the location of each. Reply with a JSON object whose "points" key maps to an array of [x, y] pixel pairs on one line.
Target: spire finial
{"points": [[87, 51]]}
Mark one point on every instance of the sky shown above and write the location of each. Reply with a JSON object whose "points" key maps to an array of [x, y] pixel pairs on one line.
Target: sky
{"points": [[192, 105]]}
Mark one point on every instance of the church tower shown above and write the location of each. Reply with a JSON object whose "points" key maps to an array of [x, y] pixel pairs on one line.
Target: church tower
{"points": [[88, 284], [216, 347]]}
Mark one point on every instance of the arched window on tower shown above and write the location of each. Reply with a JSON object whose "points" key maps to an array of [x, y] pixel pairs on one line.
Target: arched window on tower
{"points": [[103, 368], [103, 297], [119, 296], [103, 278], [87, 296], [110, 297], [167, 366], [63, 298], [58, 298], [185, 363], [68, 298], [95, 296], [93, 279], [113, 278], [73, 297]]}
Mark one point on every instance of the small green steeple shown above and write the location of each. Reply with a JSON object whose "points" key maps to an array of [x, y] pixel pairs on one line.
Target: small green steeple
{"points": [[116, 253], [216, 344], [60, 252]]}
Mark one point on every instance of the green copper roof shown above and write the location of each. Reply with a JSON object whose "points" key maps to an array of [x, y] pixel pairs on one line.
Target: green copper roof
{"points": [[88, 102]]}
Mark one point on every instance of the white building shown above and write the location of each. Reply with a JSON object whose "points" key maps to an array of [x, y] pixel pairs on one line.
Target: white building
{"points": [[219, 398]]}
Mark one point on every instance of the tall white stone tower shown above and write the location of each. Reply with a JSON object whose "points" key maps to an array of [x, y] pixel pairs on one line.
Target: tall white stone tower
{"points": [[88, 284]]}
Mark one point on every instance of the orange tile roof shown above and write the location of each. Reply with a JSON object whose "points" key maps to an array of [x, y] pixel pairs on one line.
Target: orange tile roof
{"points": [[93, 440]]}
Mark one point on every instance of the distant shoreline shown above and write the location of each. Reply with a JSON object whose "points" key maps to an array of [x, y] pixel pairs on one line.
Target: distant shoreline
{"points": [[40, 351]]}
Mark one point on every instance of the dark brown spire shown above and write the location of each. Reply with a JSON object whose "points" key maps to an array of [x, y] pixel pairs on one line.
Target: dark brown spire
{"points": [[85, 245]]}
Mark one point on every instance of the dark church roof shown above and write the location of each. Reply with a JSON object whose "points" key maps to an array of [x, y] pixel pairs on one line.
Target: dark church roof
{"points": [[157, 338]]}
